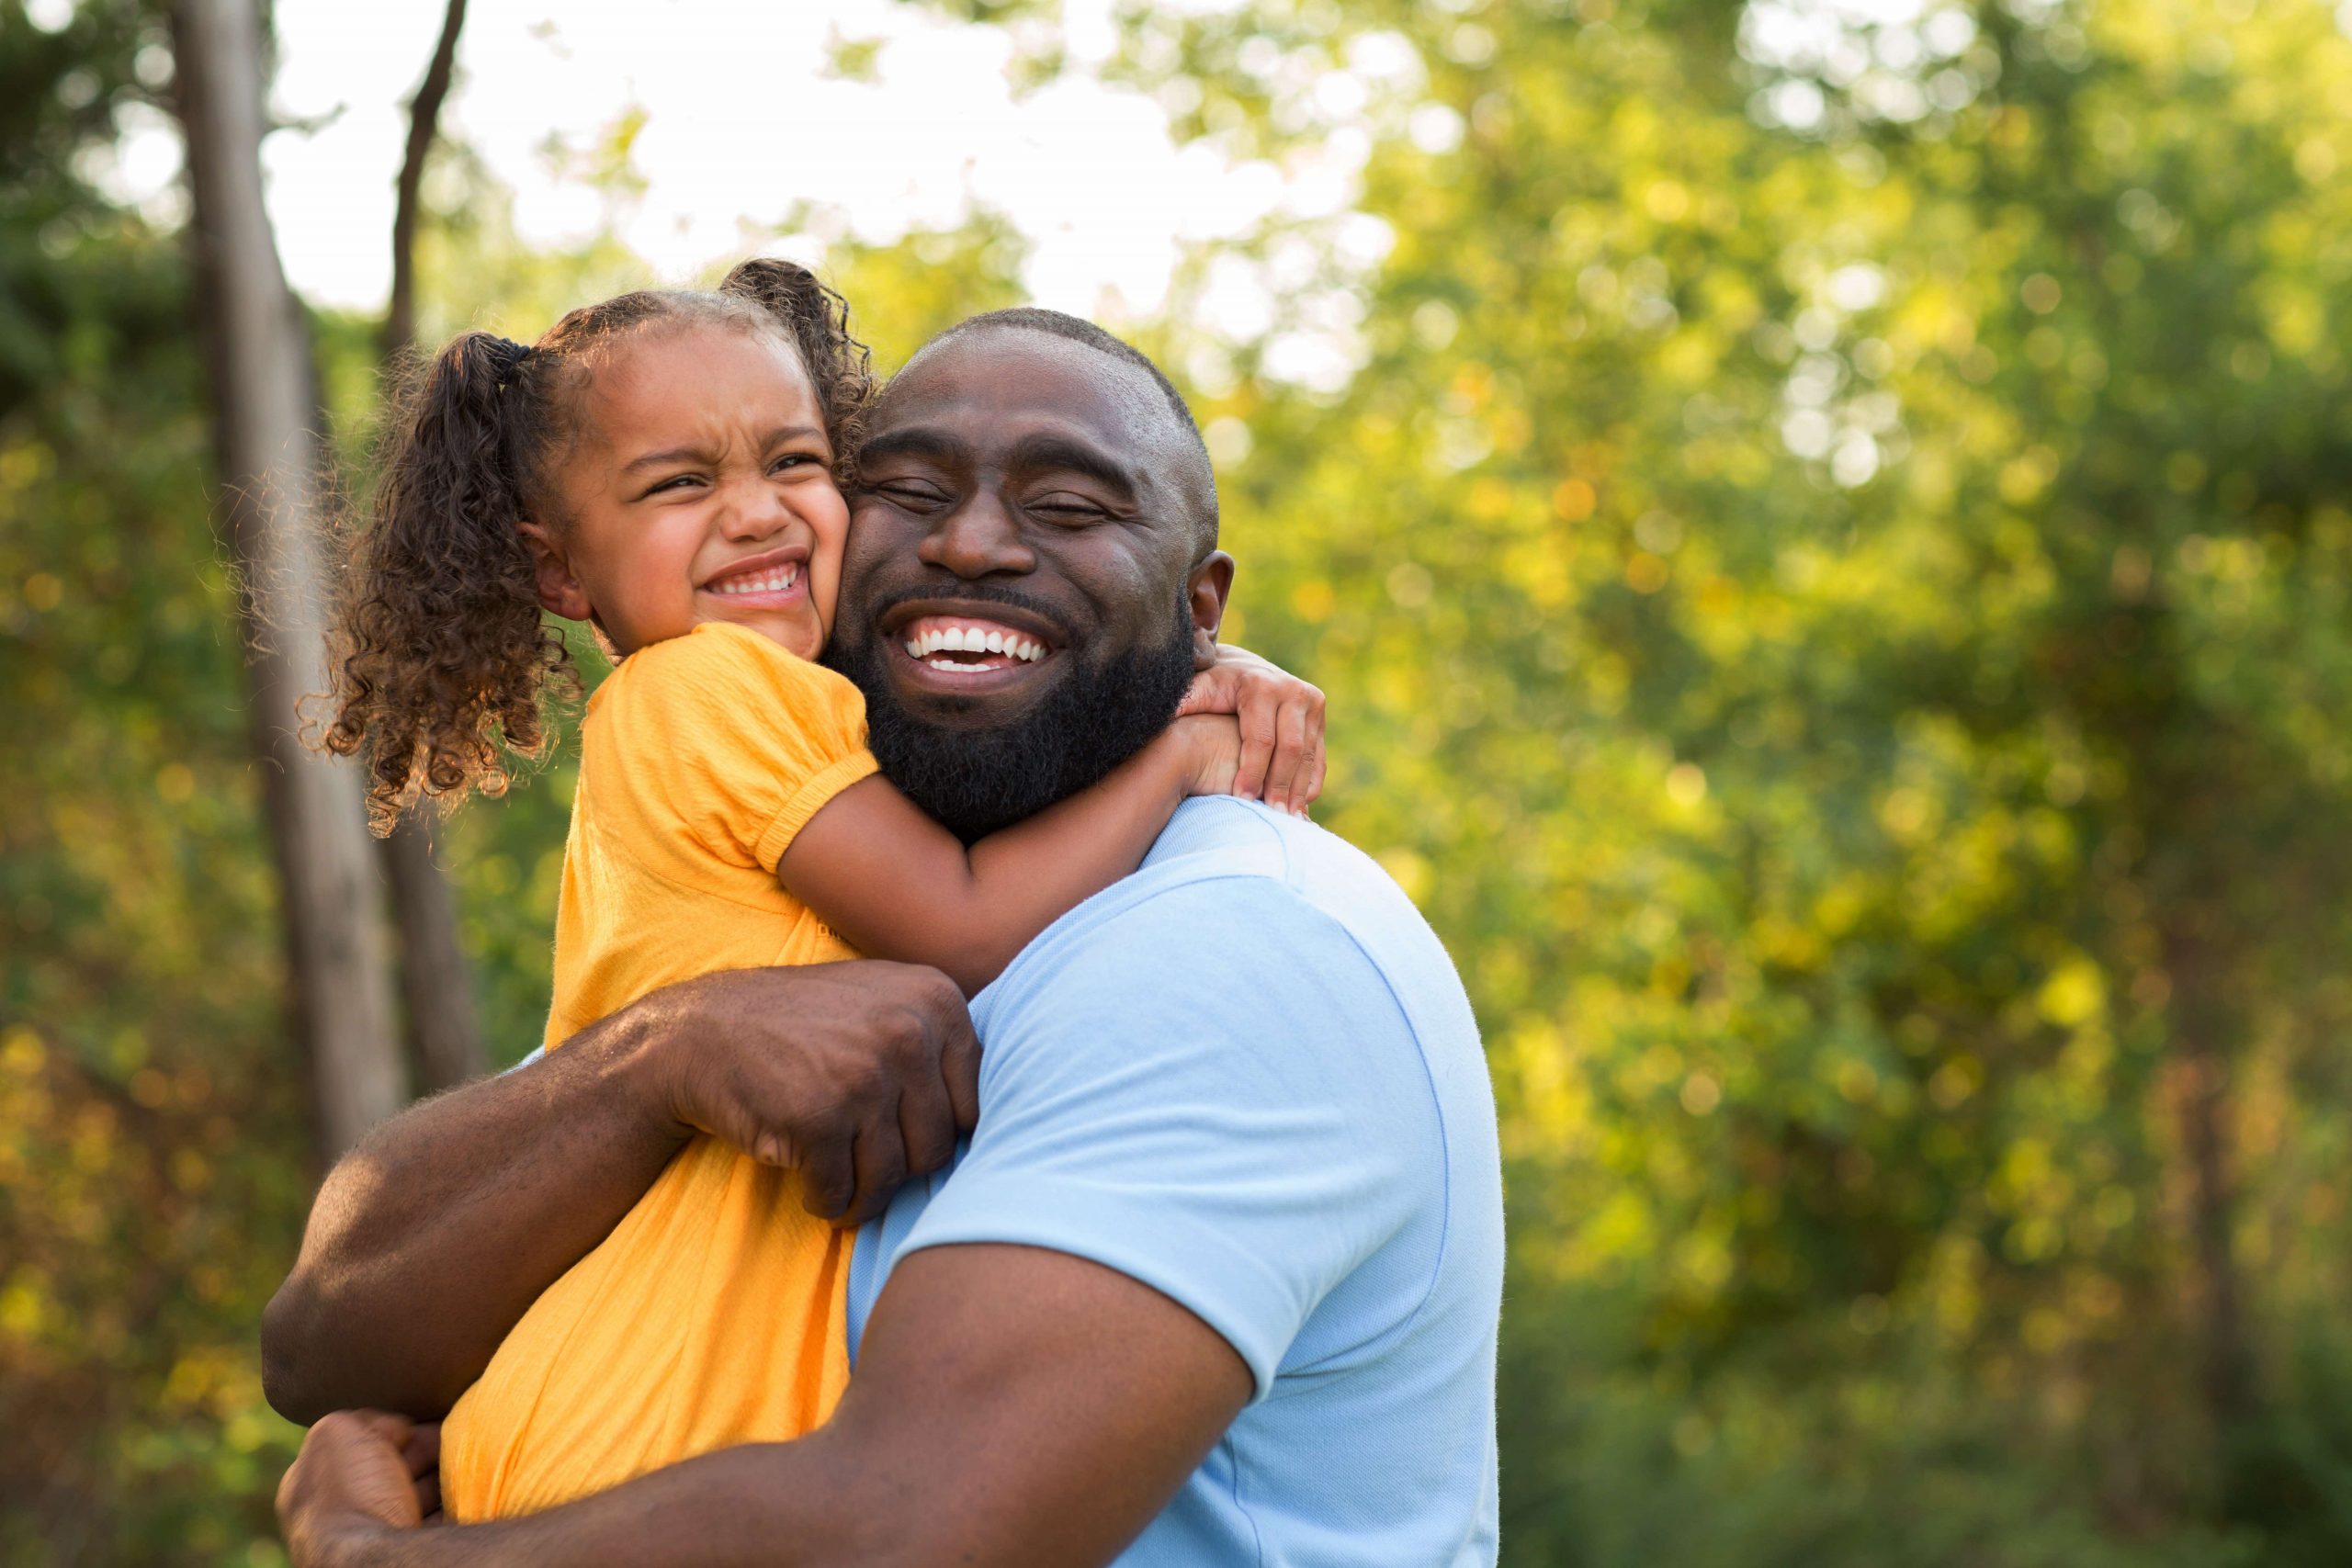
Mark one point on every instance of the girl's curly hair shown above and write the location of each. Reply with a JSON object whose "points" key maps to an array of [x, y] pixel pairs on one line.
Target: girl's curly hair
{"points": [[443, 662]]}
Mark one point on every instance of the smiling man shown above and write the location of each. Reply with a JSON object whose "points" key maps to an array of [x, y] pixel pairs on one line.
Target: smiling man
{"points": [[1215, 1280]]}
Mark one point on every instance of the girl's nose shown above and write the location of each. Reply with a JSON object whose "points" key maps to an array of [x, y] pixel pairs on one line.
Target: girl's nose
{"points": [[753, 512]]}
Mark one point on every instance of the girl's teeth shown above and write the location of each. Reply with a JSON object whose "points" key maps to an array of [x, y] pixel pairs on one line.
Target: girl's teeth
{"points": [[765, 583]]}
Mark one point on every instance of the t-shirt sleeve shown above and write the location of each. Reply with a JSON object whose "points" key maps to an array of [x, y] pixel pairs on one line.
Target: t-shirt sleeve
{"points": [[1213, 1092], [723, 737]]}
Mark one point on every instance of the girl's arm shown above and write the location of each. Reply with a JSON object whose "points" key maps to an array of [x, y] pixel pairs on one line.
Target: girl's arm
{"points": [[896, 884]]}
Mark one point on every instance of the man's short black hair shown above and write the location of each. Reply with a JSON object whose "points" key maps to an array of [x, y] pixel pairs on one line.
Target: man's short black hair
{"points": [[1078, 329]]}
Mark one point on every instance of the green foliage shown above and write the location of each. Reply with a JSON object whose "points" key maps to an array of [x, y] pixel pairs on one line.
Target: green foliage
{"points": [[1833, 582], [1841, 627]]}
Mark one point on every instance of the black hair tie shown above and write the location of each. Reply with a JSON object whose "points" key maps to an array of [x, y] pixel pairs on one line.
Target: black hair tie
{"points": [[511, 357]]}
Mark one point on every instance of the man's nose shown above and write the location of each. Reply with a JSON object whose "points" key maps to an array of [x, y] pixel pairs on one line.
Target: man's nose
{"points": [[980, 539]]}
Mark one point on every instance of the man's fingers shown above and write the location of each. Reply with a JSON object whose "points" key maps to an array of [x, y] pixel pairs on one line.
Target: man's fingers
{"points": [[959, 1070], [393, 1429], [422, 1449], [880, 1162], [828, 1180], [926, 1125]]}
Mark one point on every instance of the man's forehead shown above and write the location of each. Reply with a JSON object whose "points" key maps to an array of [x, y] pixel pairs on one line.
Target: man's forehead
{"points": [[995, 378]]}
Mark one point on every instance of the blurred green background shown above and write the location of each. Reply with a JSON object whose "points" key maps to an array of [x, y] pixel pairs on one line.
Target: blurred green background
{"points": [[1825, 526]]}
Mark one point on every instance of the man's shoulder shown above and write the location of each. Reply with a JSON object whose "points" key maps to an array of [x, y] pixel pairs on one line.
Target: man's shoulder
{"points": [[1231, 875], [1242, 913]]}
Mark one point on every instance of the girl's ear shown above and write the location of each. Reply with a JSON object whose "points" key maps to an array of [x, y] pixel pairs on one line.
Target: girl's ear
{"points": [[559, 591]]}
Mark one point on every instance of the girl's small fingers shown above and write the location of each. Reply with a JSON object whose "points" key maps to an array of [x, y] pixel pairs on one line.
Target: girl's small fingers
{"points": [[1290, 752], [1257, 735], [1311, 775], [428, 1494], [1204, 696]]}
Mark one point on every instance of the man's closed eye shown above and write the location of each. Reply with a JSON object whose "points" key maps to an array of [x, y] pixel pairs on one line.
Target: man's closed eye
{"points": [[1068, 510]]}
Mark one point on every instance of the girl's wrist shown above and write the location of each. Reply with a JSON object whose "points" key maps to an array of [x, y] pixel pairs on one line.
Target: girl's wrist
{"points": [[1209, 754]]}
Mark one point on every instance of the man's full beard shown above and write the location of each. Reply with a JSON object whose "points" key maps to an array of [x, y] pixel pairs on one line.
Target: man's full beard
{"points": [[975, 780]]}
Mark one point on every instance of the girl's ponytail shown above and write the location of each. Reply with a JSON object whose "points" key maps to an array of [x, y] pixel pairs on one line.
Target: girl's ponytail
{"points": [[817, 321], [443, 657]]}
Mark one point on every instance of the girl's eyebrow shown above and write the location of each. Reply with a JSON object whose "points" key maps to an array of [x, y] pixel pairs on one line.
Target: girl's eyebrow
{"points": [[703, 453], [667, 454]]}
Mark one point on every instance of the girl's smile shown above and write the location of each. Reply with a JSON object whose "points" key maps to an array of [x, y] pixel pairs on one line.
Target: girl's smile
{"points": [[773, 579]]}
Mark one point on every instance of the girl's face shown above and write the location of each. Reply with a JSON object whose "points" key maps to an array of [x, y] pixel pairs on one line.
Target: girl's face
{"points": [[701, 489]]}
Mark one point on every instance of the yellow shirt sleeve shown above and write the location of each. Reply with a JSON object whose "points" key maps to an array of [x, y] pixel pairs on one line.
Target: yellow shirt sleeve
{"points": [[720, 741]]}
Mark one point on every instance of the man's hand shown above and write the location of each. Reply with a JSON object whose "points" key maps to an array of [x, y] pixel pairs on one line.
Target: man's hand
{"points": [[360, 1473], [856, 1075], [1281, 727], [431, 1240]]}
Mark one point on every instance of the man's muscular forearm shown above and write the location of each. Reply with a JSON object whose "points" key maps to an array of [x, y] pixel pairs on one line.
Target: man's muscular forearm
{"points": [[1012, 1408], [430, 1240], [433, 1238]]}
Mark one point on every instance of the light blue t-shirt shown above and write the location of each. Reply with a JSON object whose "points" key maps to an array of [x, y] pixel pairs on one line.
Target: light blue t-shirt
{"points": [[1247, 1077]]}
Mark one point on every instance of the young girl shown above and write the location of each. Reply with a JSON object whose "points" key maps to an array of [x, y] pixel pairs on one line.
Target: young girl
{"points": [[663, 466]]}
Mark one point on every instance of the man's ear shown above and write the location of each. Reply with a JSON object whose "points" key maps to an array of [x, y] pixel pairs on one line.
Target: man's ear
{"points": [[1205, 595], [559, 591]]}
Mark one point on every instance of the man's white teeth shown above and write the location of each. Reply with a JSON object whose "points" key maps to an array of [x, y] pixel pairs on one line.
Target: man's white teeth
{"points": [[774, 582], [972, 639]]}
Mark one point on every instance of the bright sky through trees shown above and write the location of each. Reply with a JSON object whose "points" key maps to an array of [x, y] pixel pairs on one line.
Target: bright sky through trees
{"points": [[745, 119]]}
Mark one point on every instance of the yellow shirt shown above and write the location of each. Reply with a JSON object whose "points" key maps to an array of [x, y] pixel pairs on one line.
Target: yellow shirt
{"points": [[714, 1312]]}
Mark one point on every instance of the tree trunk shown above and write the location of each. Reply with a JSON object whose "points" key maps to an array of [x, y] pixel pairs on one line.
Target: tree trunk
{"points": [[436, 984], [445, 1038], [258, 353], [424, 124], [2201, 1035]]}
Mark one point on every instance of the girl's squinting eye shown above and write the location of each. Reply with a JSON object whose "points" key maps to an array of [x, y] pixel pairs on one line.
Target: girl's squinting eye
{"points": [[672, 482]]}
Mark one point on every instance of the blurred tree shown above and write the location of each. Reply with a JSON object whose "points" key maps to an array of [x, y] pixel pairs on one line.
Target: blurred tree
{"points": [[444, 1037], [264, 410], [153, 1152]]}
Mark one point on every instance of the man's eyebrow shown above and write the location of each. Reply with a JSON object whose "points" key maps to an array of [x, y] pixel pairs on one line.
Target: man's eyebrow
{"points": [[1042, 451], [914, 441]]}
